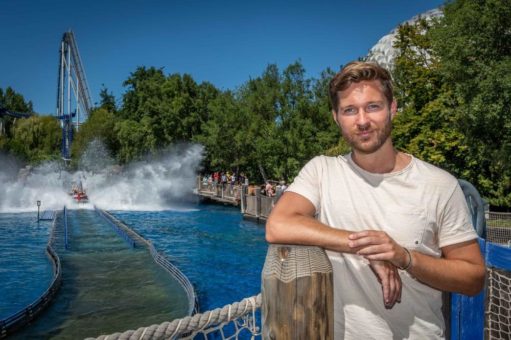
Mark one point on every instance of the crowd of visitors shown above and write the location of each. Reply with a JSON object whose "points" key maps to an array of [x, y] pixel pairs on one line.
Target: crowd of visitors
{"points": [[270, 188], [225, 177]]}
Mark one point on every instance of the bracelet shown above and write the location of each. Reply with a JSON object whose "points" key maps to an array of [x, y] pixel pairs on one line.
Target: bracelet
{"points": [[409, 264]]}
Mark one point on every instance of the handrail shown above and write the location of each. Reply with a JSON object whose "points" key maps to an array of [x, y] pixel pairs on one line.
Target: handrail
{"points": [[193, 304], [66, 244], [122, 233], [160, 259], [475, 205], [27, 314]]}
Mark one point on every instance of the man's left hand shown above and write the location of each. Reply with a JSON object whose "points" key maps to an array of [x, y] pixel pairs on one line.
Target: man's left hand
{"points": [[378, 246]]}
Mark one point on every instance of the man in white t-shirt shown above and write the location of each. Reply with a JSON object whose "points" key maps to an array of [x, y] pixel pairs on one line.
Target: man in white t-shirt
{"points": [[396, 229]]}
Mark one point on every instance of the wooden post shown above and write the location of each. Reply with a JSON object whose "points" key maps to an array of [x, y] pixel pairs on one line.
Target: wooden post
{"points": [[243, 203], [258, 203], [297, 292]]}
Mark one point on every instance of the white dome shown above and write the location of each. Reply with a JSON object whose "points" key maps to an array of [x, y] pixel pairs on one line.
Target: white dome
{"points": [[383, 52]]}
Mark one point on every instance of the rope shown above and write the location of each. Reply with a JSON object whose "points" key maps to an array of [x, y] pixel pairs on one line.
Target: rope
{"points": [[191, 325]]}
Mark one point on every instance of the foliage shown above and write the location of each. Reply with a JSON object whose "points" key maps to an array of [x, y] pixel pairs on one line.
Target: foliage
{"points": [[107, 100], [161, 110], [101, 126], [453, 84], [272, 126], [13, 101], [36, 139]]}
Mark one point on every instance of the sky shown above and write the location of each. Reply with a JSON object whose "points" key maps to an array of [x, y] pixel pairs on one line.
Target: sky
{"points": [[222, 42]]}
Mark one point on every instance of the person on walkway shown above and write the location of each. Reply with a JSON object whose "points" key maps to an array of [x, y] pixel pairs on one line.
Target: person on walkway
{"points": [[397, 230]]}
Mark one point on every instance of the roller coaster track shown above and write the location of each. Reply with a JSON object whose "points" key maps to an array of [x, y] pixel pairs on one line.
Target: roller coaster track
{"points": [[5, 112], [71, 83]]}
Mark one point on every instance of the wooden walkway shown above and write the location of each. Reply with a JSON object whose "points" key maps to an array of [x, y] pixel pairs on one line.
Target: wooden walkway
{"points": [[222, 193], [253, 206]]}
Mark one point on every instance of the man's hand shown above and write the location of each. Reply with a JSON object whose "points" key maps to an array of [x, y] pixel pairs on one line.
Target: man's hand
{"points": [[378, 246], [391, 284]]}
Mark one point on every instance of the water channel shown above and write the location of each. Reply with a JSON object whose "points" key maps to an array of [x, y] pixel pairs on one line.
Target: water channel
{"points": [[107, 285]]}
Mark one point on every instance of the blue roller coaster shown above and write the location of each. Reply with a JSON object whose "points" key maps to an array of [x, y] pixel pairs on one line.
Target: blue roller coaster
{"points": [[73, 98]]}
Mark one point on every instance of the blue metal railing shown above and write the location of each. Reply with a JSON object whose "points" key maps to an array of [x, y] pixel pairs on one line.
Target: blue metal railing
{"points": [[66, 243], [121, 232], [160, 259], [468, 314], [193, 302]]}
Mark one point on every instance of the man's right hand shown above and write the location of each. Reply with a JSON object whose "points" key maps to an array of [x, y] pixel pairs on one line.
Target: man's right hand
{"points": [[388, 276]]}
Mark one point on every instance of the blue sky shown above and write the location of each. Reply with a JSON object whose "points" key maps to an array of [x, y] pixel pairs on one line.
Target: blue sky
{"points": [[223, 42]]}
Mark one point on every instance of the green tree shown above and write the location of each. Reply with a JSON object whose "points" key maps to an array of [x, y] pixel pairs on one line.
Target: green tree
{"points": [[169, 109], [36, 139], [13, 101], [453, 87], [223, 134], [131, 139], [99, 126], [474, 43], [107, 100]]}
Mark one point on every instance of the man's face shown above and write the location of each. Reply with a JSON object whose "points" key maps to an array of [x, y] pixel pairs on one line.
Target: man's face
{"points": [[364, 116]]}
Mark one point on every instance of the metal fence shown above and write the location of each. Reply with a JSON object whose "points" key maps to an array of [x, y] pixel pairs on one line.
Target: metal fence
{"points": [[220, 191], [256, 205], [498, 228], [129, 234]]}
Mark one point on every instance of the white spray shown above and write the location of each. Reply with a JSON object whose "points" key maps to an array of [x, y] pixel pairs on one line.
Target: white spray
{"points": [[163, 183]]}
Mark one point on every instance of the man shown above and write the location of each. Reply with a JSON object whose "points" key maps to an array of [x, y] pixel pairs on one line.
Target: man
{"points": [[396, 229]]}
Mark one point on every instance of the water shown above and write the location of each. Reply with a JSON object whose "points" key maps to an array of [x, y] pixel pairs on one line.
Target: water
{"points": [[160, 183], [216, 249], [221, 254], [25, 270]]}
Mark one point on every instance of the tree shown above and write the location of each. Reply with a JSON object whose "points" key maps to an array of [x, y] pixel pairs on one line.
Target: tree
{"points": [[107, 100], [454, 88], [13, 101], [223, 134], [170, 109], [99, 126], [36, 139], [477, 60], [131, 139]]}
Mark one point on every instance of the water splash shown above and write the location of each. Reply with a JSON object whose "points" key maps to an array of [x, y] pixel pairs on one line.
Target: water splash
{"points": [[164, 182]]}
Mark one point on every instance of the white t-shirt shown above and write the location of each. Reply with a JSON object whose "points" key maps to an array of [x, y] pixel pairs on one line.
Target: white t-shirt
{"points": [[421, 207]]}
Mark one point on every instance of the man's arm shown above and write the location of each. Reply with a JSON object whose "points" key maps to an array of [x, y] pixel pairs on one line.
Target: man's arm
{"points": [[461, 268], [292, 222]]}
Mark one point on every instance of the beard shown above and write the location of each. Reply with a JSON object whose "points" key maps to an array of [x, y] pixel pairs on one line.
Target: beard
{"points": [[373, 142]]}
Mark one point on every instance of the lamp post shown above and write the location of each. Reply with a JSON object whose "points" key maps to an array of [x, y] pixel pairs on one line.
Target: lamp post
{"points": [[38, 205]]}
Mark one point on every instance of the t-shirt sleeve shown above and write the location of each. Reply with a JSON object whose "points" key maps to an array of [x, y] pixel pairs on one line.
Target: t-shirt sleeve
{"points": [[307, 182], [456, 222]]}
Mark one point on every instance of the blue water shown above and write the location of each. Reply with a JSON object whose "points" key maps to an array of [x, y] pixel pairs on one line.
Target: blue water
{"points": [[25, 270], [219, 252]]}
